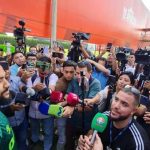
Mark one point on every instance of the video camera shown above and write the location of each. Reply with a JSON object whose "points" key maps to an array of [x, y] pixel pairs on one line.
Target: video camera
{"points": [[142, 57], [75, 51], [20, 36], [80, 36]]}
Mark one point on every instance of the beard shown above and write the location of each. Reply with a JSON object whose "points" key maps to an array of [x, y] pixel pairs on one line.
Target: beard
{"points": [[120, 118], [6, 100]]}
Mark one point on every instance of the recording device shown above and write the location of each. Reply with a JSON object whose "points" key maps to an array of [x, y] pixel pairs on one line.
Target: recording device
{"points": [[108, 47], [28, 66], [29, 91], [20, 36], [121, 57], [43, 65], [112, 82], [51, 109], [57, 54], [4, 65], [143, 57], [20, 98], [99, 124], [75, 52]]}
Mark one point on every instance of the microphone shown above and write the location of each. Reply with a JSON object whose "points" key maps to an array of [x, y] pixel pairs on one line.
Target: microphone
{"points": [[73, 99], [29, 91], [99, 124], [51, 109], [56, 97]]}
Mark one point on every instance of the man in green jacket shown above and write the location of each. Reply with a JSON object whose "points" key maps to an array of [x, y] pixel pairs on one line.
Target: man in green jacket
{"points": [[7, 139]]}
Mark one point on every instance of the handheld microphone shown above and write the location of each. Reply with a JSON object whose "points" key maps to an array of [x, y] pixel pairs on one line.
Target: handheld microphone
{"points": [[50, 109], [56, 97], [99, 124], [29, 91]]}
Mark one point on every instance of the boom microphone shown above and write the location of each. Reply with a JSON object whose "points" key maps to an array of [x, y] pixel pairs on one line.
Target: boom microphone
{"points": [[99, 124]]}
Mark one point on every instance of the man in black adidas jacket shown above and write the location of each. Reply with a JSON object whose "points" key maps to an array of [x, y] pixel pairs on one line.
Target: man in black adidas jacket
{"points": [[122, 131]]}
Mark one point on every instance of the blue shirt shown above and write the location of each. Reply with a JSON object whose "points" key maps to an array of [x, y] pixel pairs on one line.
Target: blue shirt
{"points": [[101, 77], [14, 69], [19, 116]]}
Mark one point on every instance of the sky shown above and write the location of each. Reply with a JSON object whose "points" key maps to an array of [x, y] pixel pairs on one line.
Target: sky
{"points": [[147, 3]]}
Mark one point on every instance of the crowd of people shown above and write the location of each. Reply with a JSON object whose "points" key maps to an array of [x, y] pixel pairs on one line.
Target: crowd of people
{"points": [[38, 94]]}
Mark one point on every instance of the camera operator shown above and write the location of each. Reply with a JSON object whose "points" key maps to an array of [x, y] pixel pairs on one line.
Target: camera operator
{"points": [[43, 81], [19, 60], [77, 51]]}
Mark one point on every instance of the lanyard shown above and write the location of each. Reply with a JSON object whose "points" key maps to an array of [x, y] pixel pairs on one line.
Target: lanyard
{"points": [[119, 134]]}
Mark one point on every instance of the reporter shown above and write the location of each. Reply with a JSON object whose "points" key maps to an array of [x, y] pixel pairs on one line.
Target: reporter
{"points": [[101, 98]]}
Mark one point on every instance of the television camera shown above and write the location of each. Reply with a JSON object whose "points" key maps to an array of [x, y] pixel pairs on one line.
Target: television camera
{"points": [[75, 51], [20, 36], [143, 57]]}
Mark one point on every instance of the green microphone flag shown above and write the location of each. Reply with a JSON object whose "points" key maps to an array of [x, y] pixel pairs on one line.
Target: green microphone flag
{"points": [[99, 124]]}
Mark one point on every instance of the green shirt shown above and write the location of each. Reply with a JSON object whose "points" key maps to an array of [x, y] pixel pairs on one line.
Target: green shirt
{"points": [[7, 139]]}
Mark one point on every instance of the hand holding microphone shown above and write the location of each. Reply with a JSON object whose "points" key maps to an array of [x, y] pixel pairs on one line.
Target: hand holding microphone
{"points": [[50, 109], [99, 124]]}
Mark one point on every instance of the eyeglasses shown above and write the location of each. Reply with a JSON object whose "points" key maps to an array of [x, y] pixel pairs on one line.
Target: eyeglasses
{"points": [[133, 90]]}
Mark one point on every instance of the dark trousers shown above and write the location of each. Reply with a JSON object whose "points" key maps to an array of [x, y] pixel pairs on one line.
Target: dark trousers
{"points": [[72, 136], [21, 135]]}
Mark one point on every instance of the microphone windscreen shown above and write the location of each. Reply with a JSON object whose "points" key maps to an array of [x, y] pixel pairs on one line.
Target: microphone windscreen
{"points": [[30, 91], [56, 97], [72, 99], [55, 110], [99, 122]]}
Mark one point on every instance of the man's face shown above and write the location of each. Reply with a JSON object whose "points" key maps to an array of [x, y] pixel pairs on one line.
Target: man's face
{"points": [[131, 59], [33, 50], [78, 70], [32, 59], [122, 107], [68, 72], [4, 85], [19, 59]]}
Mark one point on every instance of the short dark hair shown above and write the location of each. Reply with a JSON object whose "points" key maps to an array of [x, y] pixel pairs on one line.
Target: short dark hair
{"points": [[130, 75], [30, 54], [69, 63], [45, 59], [133, 91], [100, 58], [32, 47], [13, 55], [84, 64]]}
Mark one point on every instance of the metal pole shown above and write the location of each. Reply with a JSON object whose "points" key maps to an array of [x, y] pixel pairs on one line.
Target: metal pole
{"points": [[54, 22]]}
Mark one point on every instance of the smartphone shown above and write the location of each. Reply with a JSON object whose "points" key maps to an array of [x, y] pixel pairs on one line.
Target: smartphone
{"points": [[20, 98], [4, 65], [23, 66], [57, 54]]}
